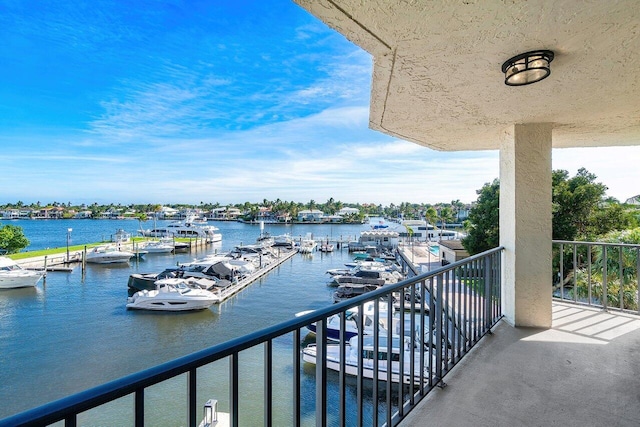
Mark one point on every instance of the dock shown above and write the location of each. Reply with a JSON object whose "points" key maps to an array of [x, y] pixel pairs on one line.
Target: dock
{"points": [[230, 291]]}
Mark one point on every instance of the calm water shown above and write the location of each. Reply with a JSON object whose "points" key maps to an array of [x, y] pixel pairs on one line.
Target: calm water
{"points": [[73, 332]]}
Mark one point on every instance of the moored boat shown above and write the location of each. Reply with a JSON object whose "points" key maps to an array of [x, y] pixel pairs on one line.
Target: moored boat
{"points": [[172, 295], [186, 228], [353, 318], [108, 254], [368, 352], [162, 246], [14, 276]]}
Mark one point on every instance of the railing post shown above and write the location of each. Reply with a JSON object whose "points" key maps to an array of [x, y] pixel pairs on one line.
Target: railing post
{"points": [[438, 317], [342, 406], [139, 408], [234, 404], [604, 278], [297, 410], [561, 271], [638, 278], [621, 275], [268, 383], [191, 397], [321, 373], [575, 269], [589, 284], [488, 280]]}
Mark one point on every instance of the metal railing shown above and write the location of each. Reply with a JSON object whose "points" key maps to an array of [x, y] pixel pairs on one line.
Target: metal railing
{"points": [[439, 316], [597, 274]]}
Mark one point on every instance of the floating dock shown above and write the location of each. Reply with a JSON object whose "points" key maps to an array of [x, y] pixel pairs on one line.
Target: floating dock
{"points": [[231, 290]]}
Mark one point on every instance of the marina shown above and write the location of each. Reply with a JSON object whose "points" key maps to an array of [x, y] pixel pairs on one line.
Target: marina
{"points": [[76, 321]]}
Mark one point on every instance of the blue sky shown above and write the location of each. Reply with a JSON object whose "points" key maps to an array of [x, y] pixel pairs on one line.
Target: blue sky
{"points": [[229, 101]]}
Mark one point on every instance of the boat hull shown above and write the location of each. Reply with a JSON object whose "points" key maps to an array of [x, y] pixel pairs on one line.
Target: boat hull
{"points": [[25, 279], [351, 366], [155, 304], [13, 276]]}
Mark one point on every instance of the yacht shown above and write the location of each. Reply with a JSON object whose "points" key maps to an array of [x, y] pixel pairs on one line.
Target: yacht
{"points": [[108, 254], [350, 290], [172, 295], [283, 240], [14, 276], [162, 246], [354, 351], [307, 246], [186, 228], [352, 320]]}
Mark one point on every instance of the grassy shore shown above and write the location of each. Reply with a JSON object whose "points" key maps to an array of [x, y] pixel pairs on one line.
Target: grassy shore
{"points": [[75, 248]]}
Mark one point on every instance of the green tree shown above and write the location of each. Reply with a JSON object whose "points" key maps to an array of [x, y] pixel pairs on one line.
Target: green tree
{"points": [[484, 219], [575, 201], [12, 239]]}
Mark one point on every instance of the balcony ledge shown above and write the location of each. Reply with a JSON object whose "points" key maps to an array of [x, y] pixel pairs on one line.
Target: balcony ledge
{"points": [[582, 371]]}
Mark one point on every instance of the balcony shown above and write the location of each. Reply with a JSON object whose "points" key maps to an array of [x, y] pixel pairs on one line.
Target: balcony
{"points": [[474, 368], [583, 371]]}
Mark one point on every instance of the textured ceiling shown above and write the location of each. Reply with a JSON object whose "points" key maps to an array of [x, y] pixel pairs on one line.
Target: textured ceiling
{"points": [[437, 79]]}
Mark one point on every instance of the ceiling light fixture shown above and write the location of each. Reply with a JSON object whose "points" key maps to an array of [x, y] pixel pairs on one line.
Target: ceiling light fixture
{"points": [[527, 68]]}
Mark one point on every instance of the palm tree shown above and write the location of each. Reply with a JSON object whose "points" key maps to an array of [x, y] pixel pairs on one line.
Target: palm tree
{"points": [[446, 215], [431, 216]]}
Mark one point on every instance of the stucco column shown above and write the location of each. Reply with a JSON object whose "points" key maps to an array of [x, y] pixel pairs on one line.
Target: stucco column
{"points": [[525, 224]]}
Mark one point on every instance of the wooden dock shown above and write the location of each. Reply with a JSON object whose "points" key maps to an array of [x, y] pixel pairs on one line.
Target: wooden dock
{"points": [[230, 291]]}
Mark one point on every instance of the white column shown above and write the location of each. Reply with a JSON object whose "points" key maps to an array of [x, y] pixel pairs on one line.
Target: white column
{"points": [[525, 224]]}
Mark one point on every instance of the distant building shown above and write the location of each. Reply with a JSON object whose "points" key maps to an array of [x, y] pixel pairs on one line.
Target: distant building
{"points": [[225, 213], [167, 212], [452, 251], [82, 215], [348, 211], [16, 213], [312, 215], [386, 238], [333, 218]]}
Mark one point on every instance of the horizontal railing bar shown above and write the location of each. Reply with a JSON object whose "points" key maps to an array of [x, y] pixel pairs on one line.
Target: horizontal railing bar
{"points": [[571, 242]]}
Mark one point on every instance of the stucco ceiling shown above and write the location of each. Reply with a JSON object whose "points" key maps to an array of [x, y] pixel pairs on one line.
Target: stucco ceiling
{"points": [[437, 76]]}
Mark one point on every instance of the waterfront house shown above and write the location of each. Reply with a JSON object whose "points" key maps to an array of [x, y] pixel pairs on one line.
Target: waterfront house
{"points": [[16, 213], [348, 211], [167, 213], [49, 213], [334, 219], [82, 215], [310, 215]]}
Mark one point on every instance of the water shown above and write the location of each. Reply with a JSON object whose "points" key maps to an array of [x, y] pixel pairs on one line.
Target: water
{"points": [[72, 332]]}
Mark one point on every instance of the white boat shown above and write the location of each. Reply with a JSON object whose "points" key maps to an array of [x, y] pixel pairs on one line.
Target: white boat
{"points": [[283, 240], [186, 228], [353, 351], [162, 246], [307, 246], [14, 276], [351, 289], [352, 320], [172, 295], [326, 247], [108, 254]]}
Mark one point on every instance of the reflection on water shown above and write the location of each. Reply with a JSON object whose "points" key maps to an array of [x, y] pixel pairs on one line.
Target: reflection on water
{"points": [[73, 332]]}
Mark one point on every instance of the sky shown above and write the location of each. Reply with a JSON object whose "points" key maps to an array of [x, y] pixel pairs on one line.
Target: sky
{"points": [[215, 101]]}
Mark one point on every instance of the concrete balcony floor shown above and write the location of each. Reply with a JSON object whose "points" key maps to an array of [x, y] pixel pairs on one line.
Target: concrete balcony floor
{"points": [[584, 371]]}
